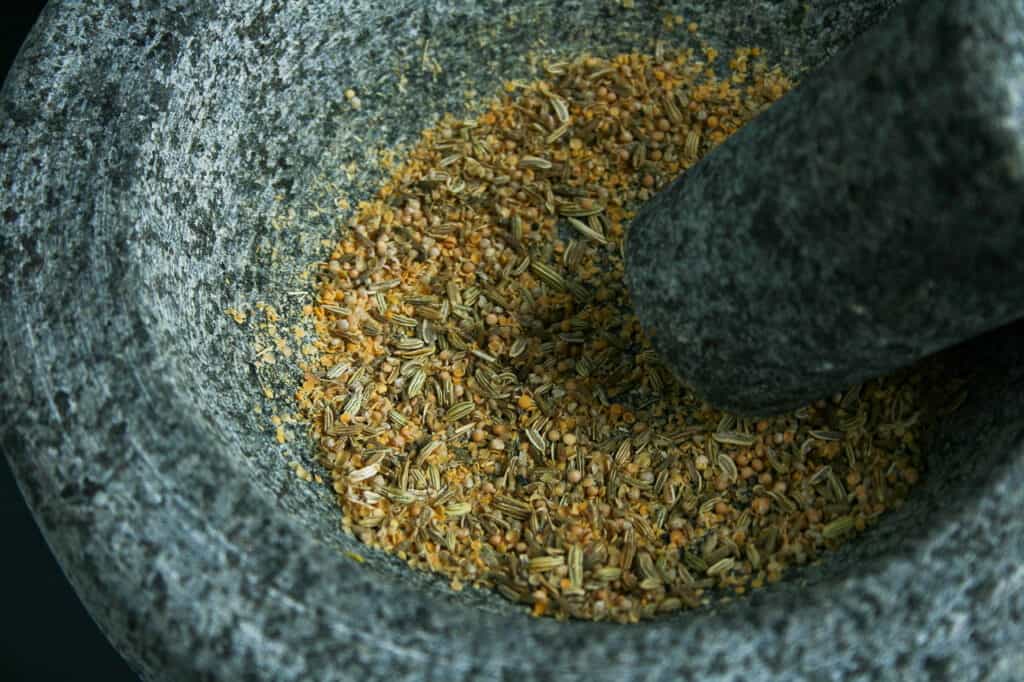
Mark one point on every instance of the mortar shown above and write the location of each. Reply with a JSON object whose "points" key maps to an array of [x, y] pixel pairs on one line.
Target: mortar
{"points": [[150, 157]]}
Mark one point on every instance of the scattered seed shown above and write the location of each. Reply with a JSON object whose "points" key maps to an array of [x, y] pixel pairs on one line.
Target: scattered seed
{"points": [[384, 285], [721, 566], [403, 320], [457, 509], [572, 209], [734, 438], [459, 411], [428, 449], [415, 386], [336, 371], [837, 528], [586, 231], [692, 147], [548, 275], [546, 563], [409, 343], [364, 473], [534, 162], [486, 357]]}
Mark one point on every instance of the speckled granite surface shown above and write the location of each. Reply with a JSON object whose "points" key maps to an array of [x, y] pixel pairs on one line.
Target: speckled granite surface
{"points": [[141, 147]]}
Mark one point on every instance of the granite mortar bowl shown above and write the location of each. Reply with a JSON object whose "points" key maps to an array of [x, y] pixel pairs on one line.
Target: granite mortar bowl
{"points": [[164, 161]]}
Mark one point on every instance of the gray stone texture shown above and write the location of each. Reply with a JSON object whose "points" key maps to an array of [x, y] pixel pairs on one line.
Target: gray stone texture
{"points": [[871, 217], [142, 145]]}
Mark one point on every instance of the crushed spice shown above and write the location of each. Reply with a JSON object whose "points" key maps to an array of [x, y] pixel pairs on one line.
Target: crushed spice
{"points": [[488, 406]]}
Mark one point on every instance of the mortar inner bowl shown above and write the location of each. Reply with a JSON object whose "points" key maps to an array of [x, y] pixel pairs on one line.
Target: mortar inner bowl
{"points": [[234, 207]]}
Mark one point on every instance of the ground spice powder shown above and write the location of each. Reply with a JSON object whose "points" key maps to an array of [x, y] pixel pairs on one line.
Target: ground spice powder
{"points": [[487, 404]]}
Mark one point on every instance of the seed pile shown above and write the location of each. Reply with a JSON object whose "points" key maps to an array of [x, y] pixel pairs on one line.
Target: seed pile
{"points": [[488, 406]]}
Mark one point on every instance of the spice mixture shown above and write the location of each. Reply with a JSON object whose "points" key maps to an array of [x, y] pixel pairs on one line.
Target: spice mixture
{"points": [[488, 405]]}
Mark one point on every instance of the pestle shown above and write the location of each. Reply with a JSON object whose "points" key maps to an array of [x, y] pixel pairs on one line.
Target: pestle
{"points": [[872, 216]]}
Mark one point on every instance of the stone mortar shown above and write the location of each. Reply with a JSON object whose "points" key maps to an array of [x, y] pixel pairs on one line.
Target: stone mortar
{"points": [[142, 146]]}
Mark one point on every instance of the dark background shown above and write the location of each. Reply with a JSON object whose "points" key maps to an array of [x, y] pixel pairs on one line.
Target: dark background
{"points": [[46, 634]]}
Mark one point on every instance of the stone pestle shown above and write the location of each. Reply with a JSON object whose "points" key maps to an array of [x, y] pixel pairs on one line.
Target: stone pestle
{"points": [[869, 218]]}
